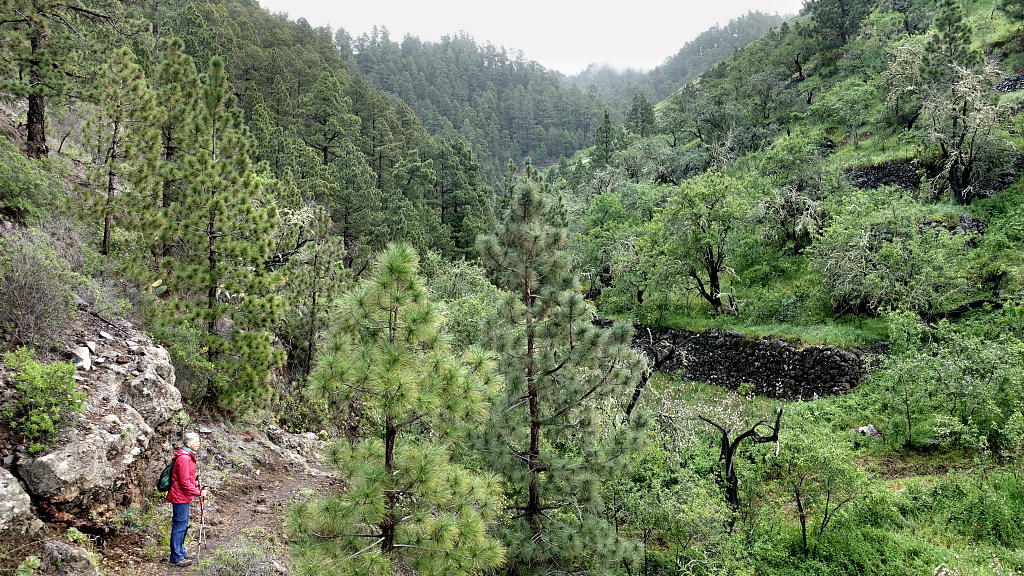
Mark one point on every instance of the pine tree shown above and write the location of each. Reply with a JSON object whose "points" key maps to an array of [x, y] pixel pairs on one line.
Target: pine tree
{"points": [[222, 238], [55, 44], [408, 508], [640, 118], [124, 135], [177, 97], [950, 44], [326, 115], [836, 21], [604, 142], [560, 371]]}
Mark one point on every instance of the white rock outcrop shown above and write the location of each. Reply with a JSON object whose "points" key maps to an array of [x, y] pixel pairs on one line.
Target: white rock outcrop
{"points": [[152, 392], [130, 392], [15, 505], [90, 457]]}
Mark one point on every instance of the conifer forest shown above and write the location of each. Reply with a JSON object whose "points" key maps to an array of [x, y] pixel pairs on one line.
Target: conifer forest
{"points": [[435, 309]]}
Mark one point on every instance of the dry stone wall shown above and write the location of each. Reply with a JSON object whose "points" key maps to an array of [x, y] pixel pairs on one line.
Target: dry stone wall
{"points": [[777, 368]]}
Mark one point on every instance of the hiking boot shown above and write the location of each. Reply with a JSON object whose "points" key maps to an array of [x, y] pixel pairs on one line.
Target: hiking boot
{"points": [[183, 563]]}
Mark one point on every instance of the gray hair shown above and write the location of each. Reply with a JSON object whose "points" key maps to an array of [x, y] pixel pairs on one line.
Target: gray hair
{"points": [[191, 437]]}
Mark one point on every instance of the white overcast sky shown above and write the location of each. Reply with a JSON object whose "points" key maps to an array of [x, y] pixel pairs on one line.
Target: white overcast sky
{"points": [[562, 35]]}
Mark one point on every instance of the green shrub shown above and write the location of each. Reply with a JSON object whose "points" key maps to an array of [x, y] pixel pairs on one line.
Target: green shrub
{"points": [[35, 289], [884, 250], [297, 412], [25, 187], [45, 397], [29, 567]]}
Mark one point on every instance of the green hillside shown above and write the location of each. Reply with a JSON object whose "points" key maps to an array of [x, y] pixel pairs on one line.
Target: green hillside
{"points": [[262, 199], [852, 178], [712, 46], [506, 107], [509, 108]]}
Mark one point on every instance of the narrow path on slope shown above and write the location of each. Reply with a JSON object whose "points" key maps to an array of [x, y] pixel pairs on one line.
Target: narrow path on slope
{"points": [[244, 520]]}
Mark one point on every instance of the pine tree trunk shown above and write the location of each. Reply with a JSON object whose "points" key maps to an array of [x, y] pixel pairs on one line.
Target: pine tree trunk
{"points": [[112, 157], [533, 510], [312, 314], [36, 143], [156, 23], [211, 292], [387, 525]]}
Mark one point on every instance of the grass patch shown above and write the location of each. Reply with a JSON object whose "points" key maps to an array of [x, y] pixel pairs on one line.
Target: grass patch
{"points": [[874, 148], [845, 332]]}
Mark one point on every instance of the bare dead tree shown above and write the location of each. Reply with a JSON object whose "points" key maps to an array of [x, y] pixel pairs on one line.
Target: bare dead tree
{"points": [[729, 446]]}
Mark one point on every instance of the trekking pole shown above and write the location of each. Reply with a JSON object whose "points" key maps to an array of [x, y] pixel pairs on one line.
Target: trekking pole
{"points": [[202, 527]]}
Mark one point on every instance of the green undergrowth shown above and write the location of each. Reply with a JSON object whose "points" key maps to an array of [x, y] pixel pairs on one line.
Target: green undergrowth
{"points": [[938, 511], [873, 149], [845, 332]]}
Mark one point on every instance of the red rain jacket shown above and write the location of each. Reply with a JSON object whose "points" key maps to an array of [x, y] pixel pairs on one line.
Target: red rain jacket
{"points": [[184, 478]]}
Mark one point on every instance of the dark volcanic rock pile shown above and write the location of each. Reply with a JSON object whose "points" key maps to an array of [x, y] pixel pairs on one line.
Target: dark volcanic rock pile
{"points": [[776, 367], [902, 173], [1011, 84]]}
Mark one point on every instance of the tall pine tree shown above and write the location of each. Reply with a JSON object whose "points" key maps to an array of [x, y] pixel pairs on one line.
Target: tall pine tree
{"points": [[55, 44], [640, 118], [222, 239], [327, 119], [545, 435], [604, 142], [177, 95], [408, 508], [125, 139], [950, 44]]}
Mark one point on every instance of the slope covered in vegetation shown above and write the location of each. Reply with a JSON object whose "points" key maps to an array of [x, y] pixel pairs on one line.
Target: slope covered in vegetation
{"points": [[851, 178], [510, 109], [313, 258]]}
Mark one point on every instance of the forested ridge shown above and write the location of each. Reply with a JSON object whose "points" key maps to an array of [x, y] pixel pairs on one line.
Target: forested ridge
{"points": [[617, 88], [259, 196], [509, 108], [506, 107]]}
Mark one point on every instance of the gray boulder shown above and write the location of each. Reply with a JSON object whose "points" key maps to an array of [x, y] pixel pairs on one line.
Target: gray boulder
{"points": [[67, 560], [868, 430], [90, 457], [152, 393], [15, 506]]}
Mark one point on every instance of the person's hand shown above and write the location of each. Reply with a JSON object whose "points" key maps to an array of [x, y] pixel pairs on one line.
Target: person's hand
{"points": [[204, 491]]}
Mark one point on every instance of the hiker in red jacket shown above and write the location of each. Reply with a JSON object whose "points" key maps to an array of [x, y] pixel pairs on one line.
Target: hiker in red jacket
{"points": [[185, 487]]}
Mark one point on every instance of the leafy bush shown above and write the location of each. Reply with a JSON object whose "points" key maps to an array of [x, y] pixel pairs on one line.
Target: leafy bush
{"points": [[25, 188], [468, 297], [297, 412], [883, 250], [946, 385], [45, 397], [845, 106], [986, 508], [35, 289], [29, 567]]}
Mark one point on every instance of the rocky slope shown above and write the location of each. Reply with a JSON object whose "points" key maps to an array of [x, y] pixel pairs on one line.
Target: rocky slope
{"points": [[98, 477]]}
